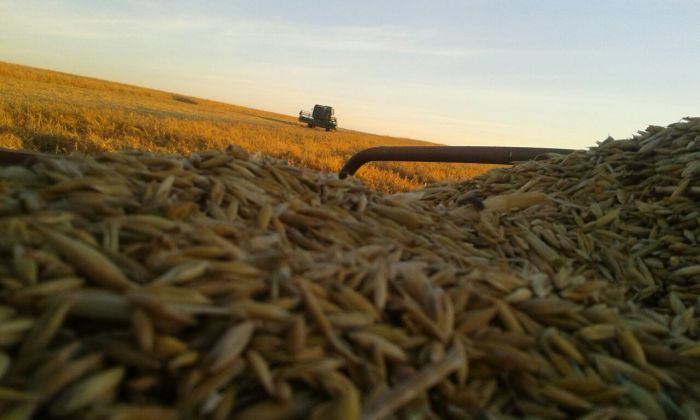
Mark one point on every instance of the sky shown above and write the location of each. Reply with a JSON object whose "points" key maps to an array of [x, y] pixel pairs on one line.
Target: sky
{"points": [[556, 73]]}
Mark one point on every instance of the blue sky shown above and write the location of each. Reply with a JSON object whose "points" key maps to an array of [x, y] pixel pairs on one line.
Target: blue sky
{"points": [[531, 73]]}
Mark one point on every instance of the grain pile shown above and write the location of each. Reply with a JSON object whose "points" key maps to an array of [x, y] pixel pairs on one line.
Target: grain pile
{"points": [[225, 285]]}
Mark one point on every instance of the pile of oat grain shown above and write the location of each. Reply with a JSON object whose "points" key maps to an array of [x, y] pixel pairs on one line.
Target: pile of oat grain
{"points": [[223, 285]]}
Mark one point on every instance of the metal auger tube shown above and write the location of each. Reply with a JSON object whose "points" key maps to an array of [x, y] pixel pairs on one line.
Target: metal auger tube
{"points": [[451, 154]]}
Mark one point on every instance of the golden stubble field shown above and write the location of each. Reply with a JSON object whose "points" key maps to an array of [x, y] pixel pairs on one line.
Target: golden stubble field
{"points": [[57, 112]]}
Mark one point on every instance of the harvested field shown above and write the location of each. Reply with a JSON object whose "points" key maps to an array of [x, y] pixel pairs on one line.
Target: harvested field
{"points": [[224, 285]]}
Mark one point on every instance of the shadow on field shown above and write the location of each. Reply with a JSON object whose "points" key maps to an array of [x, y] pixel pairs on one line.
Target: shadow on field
{"points": [[46, 142], [278, 120], [184, 99], [57, 144]]}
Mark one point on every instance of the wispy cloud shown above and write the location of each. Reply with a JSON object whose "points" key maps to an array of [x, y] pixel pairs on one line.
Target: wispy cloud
{"points": [[355, 39], [59, 20], [65, 20]]}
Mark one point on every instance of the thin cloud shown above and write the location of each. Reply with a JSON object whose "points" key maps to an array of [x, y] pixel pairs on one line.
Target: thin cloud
{"points": [[58, 21], [361, 39]]}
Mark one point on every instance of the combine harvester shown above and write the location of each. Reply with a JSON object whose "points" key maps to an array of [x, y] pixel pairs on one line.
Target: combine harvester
{"points": [[322, 116]]}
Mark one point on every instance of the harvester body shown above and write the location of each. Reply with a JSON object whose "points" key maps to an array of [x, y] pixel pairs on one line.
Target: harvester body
{"points": [[322, 116]]}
